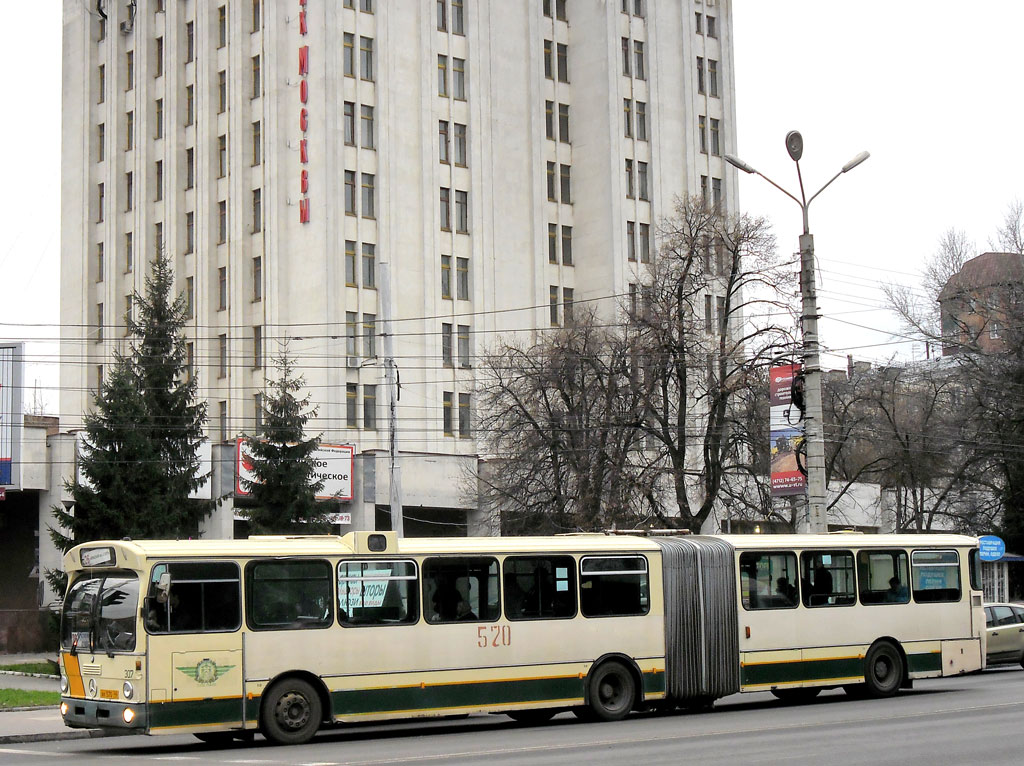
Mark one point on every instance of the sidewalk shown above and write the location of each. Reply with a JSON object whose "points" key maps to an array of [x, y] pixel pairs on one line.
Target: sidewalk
{"points": [[39, 724]]}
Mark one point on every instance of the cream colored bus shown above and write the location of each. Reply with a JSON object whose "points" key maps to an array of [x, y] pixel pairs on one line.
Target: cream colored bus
{"points": [[284, 635]]}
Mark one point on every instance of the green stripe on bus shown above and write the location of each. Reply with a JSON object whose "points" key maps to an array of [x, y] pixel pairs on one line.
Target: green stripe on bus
{"points": [[924, 662], [801, 670], [194, 712]]}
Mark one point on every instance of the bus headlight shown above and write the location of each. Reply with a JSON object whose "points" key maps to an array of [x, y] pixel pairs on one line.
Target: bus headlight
{"points": [[128, 690], [63, 684], [63, 708], [128, 715]]}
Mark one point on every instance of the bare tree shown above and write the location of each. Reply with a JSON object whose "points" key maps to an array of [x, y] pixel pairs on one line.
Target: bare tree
{"points": [[1010, 235]]}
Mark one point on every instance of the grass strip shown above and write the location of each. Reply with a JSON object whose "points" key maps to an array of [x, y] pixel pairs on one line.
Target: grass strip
{"points": [[46, 668], [26, 698]]}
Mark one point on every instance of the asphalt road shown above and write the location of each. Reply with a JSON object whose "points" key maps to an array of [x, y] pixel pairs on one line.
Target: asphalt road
{"points": [[968, 720]]}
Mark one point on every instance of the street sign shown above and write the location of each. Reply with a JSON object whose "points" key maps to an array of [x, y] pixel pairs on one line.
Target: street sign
{"points": [[992, 548]]}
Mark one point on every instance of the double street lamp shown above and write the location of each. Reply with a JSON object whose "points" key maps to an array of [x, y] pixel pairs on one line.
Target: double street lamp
{"points": [[814, 436]]}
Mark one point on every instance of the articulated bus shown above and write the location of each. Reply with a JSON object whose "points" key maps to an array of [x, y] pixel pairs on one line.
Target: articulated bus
{"points": [[283, 635]]}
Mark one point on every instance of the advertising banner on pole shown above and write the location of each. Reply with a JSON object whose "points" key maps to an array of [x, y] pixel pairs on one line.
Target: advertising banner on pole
{"points": [[787, 432], [334, 465], [11, 381]]}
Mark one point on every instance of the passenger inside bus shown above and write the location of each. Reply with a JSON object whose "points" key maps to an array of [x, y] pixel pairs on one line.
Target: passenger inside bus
{"points": [[897, 592], [785, 591]]}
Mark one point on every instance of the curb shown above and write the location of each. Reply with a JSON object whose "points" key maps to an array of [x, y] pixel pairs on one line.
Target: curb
{"points": [[28, 675], [52, 736]]}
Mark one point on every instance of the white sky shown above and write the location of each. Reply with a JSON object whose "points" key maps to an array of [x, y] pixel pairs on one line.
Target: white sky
{"points": [[930, 87]]}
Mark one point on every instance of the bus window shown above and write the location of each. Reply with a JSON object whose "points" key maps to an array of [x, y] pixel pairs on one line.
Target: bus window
{"points": [[288, 594], [377, 593], [883, 577], [614, 586], [194, 597], [827, 578], [975, 566], [936, 575], [768, 580], [539, 587], [461, 589]]}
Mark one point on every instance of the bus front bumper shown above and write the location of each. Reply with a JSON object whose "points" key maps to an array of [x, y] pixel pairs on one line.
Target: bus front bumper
{"points": [[102, 714]]}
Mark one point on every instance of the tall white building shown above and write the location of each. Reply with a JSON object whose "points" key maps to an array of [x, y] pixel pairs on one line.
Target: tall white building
{"points": [[506, 158]]}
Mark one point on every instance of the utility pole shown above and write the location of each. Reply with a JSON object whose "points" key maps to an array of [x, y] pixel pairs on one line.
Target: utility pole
{"points": [[391, 380]]}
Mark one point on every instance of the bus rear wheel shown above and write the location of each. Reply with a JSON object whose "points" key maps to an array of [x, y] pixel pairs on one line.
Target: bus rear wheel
{"points": [[883, 670], [291, 712], [612, 691]]}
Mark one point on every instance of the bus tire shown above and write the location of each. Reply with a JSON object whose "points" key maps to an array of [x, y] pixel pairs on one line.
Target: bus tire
{"points": [[883, 670], [291, 712], [804, 694], [612, 691]]}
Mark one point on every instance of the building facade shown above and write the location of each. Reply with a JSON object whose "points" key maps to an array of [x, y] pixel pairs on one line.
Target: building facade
{"points": [[496, 162]]}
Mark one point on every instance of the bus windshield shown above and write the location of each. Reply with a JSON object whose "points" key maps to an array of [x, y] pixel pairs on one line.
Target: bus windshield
{"points": [[99, 613]]}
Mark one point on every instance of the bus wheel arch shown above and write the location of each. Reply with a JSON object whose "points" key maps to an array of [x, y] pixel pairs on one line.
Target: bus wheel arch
{"points": [[613, 688], [293, 707], [885, 668]]}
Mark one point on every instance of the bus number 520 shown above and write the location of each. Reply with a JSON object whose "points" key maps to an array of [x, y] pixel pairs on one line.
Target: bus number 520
{"points": [[493, 635]]}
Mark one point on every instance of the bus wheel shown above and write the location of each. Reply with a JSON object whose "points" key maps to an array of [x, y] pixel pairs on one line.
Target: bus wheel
{"points": [[291, 712], [805, 694], [532, 716], [612, 691], [883, 670]]}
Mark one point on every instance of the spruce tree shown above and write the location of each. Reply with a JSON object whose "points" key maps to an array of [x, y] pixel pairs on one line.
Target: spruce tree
{"points": [[283, 492], [139, 462]]}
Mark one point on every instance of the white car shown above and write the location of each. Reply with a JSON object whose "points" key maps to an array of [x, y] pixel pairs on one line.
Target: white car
{"points": [[1004, 624]]}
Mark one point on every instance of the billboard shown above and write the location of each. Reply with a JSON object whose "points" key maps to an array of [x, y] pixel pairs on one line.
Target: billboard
{"points": [[787, 432], [334, 466], [12, 361]]}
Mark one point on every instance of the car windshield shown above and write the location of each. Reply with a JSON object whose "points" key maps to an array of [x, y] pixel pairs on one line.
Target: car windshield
{"points": [[99, 613]]}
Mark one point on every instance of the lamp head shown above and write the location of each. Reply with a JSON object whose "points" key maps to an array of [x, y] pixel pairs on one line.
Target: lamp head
{"points": [[795, 145], [736, 162], [855, 161]]}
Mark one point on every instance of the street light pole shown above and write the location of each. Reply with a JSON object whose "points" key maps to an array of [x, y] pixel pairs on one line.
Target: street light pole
{"points": [[814, 432]]}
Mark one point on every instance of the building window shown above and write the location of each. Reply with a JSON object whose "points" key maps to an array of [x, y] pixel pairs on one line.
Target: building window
{"points": [[129, 251], [462, 212], [222, 288], [349, 123], [553, 305], [446, 414], [629, 180], [713, 78], [716, 147], [552, 243], [549, 119], [129, 70], [222, 419], [465, 429], [190, 42], [366, 115], [101, 202], [716, 192], [190, 168], [257, 210], [446, 276], [222, 91], [350, 192], [645, 243], [369, 335], [102, 72], [351, 392], [442, 75], [190, 105], [565, 183], [366, 58], [99, 262], [631, 240], [641, 180], [129, 190], [257, 409], [702, 132], [158, 237], [350, 263], [568, 301], [459, 79], [257, 141], [446, 344], [256, 15], [563, 123], [446, 208], [222, 156], [626, 70], [369, 195], [638, 50], [257, 82], [560, 10], [567, 245], [563, 62], [348, 56], [222, 26], [370, 407], [257, 347], [366, 6], [458, 17], [159, 118], [704, 189], [442, 139], [699, 24], [222, 355], [464, 345], [129, 125], [257, 279], [700, 75], [101, 141], [627, 117], [102, 37], [641, 121], [159, 180], [462, 278], [222, 222], [369, 265], [712, 30], [99, 323], [548, 71], [351, 332], [442, 15], [190, 297], [551, 182], [460, 145], [159, 49], [190, 232]]}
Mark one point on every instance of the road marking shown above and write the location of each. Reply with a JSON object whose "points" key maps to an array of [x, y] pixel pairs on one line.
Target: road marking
{"points": [[14, 751]]}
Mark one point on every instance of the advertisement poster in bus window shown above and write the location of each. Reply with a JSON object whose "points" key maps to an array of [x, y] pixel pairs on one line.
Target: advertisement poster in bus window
{"points": [[334, 465], [11, 361], [365, 593], [787, 433]]}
